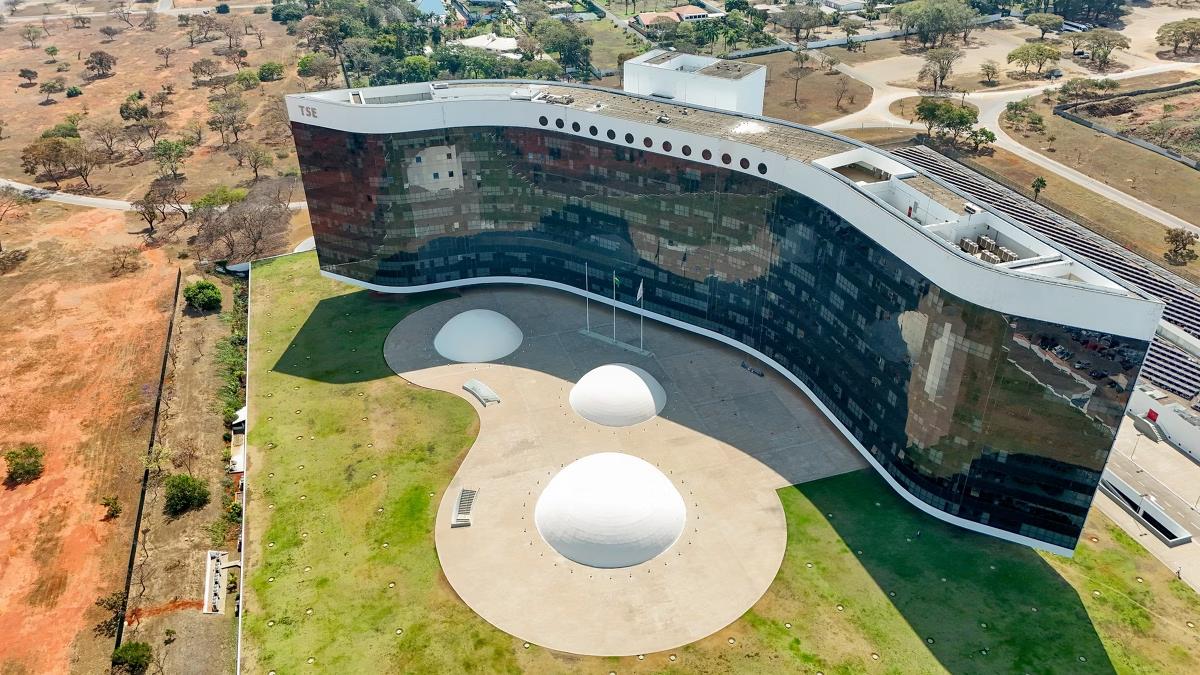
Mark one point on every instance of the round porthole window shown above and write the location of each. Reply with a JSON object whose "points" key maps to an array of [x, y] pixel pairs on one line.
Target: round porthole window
{"points": [[575, 126], [687, 151], [559, 123], [612, 135], [628, 138], [762, 169], [543, 121], [667, 146], [707, 154], [745, 163], [648, 142], [725, 158], [593, 130]]}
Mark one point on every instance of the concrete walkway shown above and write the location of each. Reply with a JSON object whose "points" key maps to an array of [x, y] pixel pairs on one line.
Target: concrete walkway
{"points": [[91, 202], [727, 439]]}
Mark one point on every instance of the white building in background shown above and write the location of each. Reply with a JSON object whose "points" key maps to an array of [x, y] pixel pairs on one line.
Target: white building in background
{"points": [[736, 86], [844, 5]]}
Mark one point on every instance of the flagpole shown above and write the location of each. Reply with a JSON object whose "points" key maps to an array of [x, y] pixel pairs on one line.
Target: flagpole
{"points": [[614, 305], [642, 325], [586, 302]]}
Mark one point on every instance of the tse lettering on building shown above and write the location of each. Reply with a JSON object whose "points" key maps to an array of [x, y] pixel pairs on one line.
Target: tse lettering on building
{"points": [[307, 111]]}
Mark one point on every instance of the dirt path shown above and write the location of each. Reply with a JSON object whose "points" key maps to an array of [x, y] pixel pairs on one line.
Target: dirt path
{"points": [[74, 342]]}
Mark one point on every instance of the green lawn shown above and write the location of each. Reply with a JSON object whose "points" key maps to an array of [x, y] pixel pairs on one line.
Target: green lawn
{"points": [[609, 41], [961, 603]]}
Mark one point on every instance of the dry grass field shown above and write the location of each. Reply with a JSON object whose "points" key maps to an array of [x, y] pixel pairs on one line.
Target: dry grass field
{"points": [[77, 347], [26, 114], [814, 99], [1152, 178]]}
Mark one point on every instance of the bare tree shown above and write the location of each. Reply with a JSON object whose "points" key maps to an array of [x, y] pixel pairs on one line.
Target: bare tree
{"points": [[124, 259], [121, 13], [165, 53], [840, 89]]}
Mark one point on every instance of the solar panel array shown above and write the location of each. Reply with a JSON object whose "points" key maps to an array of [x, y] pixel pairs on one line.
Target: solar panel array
{"points": [[1166, 365]]}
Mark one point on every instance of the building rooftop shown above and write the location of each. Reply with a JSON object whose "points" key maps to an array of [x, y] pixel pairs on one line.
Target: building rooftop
{"points": [[694, 63], [945, 213]]}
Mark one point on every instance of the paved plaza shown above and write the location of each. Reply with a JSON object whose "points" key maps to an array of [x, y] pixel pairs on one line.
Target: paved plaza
{"points": [[727, 438]]}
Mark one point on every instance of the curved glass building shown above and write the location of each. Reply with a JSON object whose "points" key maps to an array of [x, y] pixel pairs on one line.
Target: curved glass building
{"points": [[946, 342]]}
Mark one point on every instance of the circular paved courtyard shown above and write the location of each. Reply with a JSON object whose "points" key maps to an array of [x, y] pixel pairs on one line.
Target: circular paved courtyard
{"points": [[727, 440]]}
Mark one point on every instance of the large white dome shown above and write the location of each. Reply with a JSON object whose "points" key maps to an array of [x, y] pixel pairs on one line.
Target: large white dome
{"points": [[618, 395], [477, 336], [610, 510]]}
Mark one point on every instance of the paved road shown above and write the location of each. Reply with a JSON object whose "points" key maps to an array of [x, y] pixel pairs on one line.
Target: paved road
{"points": [[90, 202], [163, 7], [1175, 506]]}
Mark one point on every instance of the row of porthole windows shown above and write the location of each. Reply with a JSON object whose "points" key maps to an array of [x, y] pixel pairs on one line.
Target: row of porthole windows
{"points": [[649, 143]]}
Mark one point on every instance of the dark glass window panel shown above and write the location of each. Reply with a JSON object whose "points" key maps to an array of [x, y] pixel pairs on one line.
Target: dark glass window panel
{"points": [[969, 409]]}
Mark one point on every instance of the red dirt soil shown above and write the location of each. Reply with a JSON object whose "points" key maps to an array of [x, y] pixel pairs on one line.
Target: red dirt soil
{"points": [[140, 613], [79, 367]]}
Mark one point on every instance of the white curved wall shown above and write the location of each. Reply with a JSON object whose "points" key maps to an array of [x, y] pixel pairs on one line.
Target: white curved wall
{"points": [[1045, 299]]}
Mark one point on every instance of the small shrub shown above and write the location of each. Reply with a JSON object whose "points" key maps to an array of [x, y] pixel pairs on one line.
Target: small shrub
{"points": [[203, 295], [184, 493], [112, 507], [62, 67], [260, 10], [270, 71], [72, 92], [222, 8], [25, 464], [132, 657]]}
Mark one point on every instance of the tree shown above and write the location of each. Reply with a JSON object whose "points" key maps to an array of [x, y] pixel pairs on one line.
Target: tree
{"points": [[203, 295], [990, 71], [205, 69], [101, 63], [25, 464], [318, 65], [981, 137], [1034, 54], [929, 111], [270, 71], [841, 88], [13, 5], [1037, 186], [113, 605], [169, 155], [149, 20], [121, 13], [1103, 42], [110, 32], [229, 115], [52, 52], [183, 492], [31, 34], [134, 108], [246, 80], [1044, 22], [795, 74], [801, 19], [133, 658], [161, 99], [28, 74], [51, 87], [82, 159], [938, 64], [934, 21], [1179, 242], [1174, 33], [45, 157], [165, 53], [112, 505]]}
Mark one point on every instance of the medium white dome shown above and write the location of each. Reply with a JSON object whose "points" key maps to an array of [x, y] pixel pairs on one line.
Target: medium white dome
{"points": [[610, 510], [618, 395], [477, 336]]}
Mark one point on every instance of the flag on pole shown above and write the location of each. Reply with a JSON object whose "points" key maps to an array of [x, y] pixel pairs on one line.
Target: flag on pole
{"points": [[616, 279], [640, 288]]}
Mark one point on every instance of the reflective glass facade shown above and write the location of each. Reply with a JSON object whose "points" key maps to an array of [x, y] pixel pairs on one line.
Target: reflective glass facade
{"points": [[986, 416]]}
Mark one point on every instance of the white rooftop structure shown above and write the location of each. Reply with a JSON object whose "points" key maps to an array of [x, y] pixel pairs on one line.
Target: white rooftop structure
{"points": [[700, 80], [618, 395], [478, 336], [610, 510]]}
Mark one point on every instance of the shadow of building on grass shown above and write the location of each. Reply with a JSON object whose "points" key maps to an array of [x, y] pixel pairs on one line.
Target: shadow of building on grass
{"points": [[981, 605]]}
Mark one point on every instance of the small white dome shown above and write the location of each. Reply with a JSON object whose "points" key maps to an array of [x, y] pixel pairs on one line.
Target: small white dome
{"points": [[618, 395], [610, 510], [477, 336]]}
